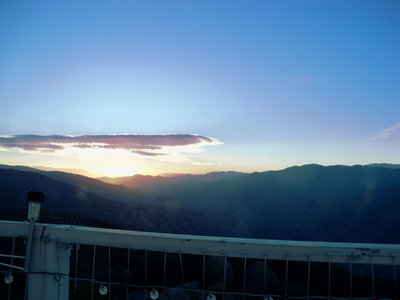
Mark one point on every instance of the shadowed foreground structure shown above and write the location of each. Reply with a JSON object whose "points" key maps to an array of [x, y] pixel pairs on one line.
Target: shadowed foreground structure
{"points": [[74, 262]]}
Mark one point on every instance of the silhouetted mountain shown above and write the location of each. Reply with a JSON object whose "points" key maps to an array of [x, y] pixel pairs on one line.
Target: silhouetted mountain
{"points": [[384, 165], [309, 202], [66, 199], [87, 184], [312, 202], [298, 184], [376, 215], [147, 182]]}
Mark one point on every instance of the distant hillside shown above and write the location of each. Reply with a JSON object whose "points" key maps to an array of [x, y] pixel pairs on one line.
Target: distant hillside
{"points": [[86, 184], [383, 165], [146, 182], [375, 215], [306, 182], [311, 202], [84, 207]]}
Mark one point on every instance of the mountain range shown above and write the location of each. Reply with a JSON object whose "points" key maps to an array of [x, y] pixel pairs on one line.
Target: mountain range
{"points": [[310, 202], [147, 182]]}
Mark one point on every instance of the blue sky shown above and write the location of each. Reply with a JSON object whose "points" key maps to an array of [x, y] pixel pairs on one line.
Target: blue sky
{"points": [[276, 83]]}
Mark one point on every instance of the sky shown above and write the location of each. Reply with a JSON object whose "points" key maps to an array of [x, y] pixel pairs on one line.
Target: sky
{"points": [[116, 88]]}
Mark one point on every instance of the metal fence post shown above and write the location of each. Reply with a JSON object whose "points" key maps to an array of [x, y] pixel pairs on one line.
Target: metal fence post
{"points": [[48, 277]]}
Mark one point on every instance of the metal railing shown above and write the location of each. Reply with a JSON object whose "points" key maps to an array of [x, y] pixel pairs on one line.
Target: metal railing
{"points": [[74, 262]]}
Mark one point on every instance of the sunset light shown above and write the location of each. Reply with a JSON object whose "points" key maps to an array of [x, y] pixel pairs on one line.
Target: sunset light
{"points": [[200, 149], [132, 87]]}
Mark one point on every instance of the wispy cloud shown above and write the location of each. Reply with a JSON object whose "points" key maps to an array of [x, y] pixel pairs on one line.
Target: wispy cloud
{"points": [[145, 145], [386, 133]]}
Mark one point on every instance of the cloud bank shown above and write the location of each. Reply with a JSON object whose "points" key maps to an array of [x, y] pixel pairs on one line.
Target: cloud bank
{"points": [[386, 133], [144, 145]]}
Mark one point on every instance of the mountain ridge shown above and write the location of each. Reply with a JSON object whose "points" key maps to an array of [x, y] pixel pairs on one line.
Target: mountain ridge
{"points": [[311, 202], [147, 182]]}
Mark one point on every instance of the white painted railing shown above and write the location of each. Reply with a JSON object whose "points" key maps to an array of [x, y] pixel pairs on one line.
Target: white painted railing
{"points": [[48, 277]]}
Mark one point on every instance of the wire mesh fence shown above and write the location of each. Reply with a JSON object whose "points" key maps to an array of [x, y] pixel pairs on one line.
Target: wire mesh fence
{"points": [[123, 273], [12, 255], [112, 264]]}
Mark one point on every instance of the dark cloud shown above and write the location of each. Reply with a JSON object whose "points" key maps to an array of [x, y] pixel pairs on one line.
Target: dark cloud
{"points": [[31, 146], [140, 144]]}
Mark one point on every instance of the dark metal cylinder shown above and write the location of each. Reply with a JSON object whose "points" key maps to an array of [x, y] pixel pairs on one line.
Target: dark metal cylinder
{"points": [[33, 196]]}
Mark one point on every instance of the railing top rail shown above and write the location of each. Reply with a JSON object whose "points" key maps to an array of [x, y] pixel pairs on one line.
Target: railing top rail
{"points": [[191, 244]]}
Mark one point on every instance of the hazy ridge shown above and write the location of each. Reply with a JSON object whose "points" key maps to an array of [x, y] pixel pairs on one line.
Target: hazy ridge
{"points": [[311, 202]]}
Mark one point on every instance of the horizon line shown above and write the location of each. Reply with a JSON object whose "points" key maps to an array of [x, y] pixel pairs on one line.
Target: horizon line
{"points": [[86, 173]]}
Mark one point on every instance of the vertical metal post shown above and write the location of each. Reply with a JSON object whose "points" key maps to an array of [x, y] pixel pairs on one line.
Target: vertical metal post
{"points": [[77, 246], [394, 278], [308, 277], [244, 276], [182, 274], [265, 277], [329, 277], [28, 250], [145, 274], [351, 278], [127, 273], [286, 278], [224, 282], [372, 279], [11, 263], [35, 200], [204, 276], [93, 268], [48, 276], [109, 273], [165, 274]]}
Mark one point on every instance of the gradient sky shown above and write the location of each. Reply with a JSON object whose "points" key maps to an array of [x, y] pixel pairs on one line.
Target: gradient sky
{"points": [[271, 83]]}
